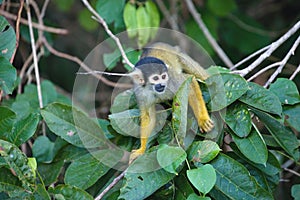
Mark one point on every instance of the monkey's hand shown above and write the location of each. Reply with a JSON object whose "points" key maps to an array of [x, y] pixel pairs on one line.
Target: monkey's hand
{"points": [[135, 154], [206, 124]]}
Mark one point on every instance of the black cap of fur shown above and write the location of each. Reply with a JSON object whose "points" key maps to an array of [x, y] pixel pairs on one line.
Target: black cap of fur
{"points": [[157, 66]]}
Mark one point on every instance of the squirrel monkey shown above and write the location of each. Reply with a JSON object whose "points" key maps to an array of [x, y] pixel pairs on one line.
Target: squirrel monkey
{"points": [[156, 77]]}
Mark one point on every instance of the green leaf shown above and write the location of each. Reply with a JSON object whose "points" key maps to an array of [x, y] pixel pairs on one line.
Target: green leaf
{"points": [[7, 39], [24, 129], [10, 184], [128, 122], [238, 118], [292, 116], [18, 163], [261, 98], [42, 149], [123, 101], [170, 158], [110, 10], [284, 136], [224, 89], [252, 146], [183, 187], [202, 178], [7, 119], [221, 8], [8, 75], [143, 25], [139, 185], [234, 181], [203, 151], [217, 70], [86, 21], [110, 60], [50, 171], [130, 20], [69, 192], [180, 108], [85, 171], [286, 90], [296, 191], [73, 125], [194, 196], [154, 17]]}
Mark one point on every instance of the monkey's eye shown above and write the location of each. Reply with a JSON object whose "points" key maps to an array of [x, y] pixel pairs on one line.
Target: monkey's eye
{"points": [[164, 76], [155, 78]]}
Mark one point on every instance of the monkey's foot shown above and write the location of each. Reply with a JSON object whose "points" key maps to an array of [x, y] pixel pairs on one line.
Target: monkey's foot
{"points": [[135, 154], [206, 125]]}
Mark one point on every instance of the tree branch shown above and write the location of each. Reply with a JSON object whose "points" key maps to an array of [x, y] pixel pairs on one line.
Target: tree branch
{"points": [[35, 25], [98, 18], [295, 72], [271, 49], [207, 34]]}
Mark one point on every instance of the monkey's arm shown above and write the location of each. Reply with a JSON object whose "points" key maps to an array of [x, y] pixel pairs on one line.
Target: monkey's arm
{"points": [[148, 119]]}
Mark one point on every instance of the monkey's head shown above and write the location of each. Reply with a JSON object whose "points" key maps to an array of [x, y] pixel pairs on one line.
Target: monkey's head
{"points": [[151, 73]]}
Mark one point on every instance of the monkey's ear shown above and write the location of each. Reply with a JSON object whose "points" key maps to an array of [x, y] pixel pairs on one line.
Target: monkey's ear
{"points": [[137, 77]]}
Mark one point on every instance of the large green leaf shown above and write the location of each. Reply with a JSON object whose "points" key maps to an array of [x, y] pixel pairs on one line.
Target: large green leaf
{"points": [[203, 151], [24, 129], [42, 149], [261, 98], [224, 89], [154, 17], [10, 184], [234, 181], [111, 10], [283, 135], [68, 192], [180, 108], [85, 171], [73, 125], [7, 119], [143, 25], [252, 146], [128, 122], [49, 172], [203, 178], [170, 158], [123, 101], [238, 118], [129, 16], [18, 163], [141, 185], [8, 75], [296, 191], [292, 116], [286, 90], [7, 39]]}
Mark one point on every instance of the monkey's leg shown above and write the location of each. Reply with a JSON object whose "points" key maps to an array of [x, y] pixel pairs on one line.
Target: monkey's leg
{"points": [[197, 103], [147, 124]]}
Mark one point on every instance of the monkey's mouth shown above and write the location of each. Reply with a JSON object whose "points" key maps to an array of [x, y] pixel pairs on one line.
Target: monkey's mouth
{"points": [[159, 88]]}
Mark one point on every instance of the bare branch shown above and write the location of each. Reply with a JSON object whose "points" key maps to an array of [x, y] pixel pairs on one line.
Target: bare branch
{"points": [[295, 72], [283, 62], [17, 30], [108, 31], [167, 14], [35, 59], [207, 34], [270, 50], [111, 185], [35, 25], [83, 65], [264, 70]]}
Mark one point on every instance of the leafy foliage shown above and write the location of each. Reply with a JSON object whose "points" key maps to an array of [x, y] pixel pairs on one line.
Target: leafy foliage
{"points": [[75, 156]]}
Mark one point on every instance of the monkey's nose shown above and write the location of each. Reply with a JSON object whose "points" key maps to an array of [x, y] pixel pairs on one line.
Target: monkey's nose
{"points": [[159, 87]]}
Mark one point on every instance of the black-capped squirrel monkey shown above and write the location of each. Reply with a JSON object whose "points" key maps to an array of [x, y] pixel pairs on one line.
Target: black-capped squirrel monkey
{"points": [[157, 76]]}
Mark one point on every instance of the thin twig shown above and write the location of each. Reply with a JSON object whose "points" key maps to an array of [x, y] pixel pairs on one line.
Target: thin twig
{"points": [[17, 30], [35, 59], [111, 185], [295, 72], [167, 14], [292, 171], [207, 34], [35, 25], [100, 72], [44, 8], [108, 31], [249, 57], [270, 50], [263, 70], [84, 66], [283, 62]]}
